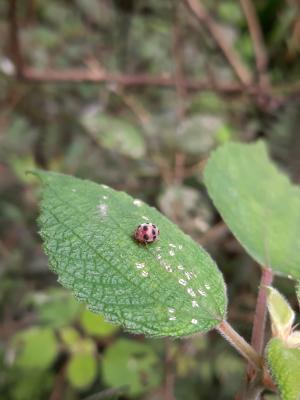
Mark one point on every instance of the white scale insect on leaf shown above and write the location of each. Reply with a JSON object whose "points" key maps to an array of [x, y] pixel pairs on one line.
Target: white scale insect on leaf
{"points": [[173, 318], [194, 303], [188, 275], [171, 310], [180, 267], [201, 292], [145, 273], [140, 265], [172, 253], [191, 292], [207, 286], [182, 282], [194, 321]]}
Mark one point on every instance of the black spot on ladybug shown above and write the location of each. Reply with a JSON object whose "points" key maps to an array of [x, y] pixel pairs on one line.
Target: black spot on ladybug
{"points": [[154, 226], [146, 237], [154, 237], [153, 232], [145, 228]]}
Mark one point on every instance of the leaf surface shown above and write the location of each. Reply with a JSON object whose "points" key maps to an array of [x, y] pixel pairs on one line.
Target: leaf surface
{"points": [[170, 287], [132, 365], [284, 363], [258, 203]]}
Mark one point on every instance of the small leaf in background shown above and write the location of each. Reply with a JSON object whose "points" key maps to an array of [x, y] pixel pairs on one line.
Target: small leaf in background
{"points": [[69, 336], [81, 370], [284, 364], [56, 307], [258, 203], [197, 134], [95, 324], [30, 385], [114, 133], [188, 207], [36, 348], [281, 314], [132, 364], [171, 287]]}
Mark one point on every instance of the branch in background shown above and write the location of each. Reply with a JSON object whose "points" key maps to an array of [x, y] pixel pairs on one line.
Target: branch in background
{"points": [[14, 41], [100, 76], [260, 51], [230, 54], [179, 62]]}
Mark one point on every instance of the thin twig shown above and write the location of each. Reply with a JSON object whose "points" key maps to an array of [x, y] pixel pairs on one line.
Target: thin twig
{"points": [[85, 75], [260, 50], [168, 388], [15, 48], [240, 344], [178, 48], [230, 54], [259, 321]]}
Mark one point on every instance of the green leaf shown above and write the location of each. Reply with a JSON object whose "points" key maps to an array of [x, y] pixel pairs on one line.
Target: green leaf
{"points": [[81, 370], [284, 364], [69, 336], [171, 287], [37, 348], [197, 134], [281, 313], [114, 134], [258, 203], [96, 325], [132, 364], [56, 307]]}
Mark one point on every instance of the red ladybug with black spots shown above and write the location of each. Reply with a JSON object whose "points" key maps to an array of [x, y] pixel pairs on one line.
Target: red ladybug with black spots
{"points": [[146, 233]]}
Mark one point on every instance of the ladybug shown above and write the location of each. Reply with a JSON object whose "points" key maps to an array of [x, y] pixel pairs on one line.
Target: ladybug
{"points": [[146, 233]]}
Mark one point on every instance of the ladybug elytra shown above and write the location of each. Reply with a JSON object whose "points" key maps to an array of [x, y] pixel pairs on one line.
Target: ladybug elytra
{"points": [[146, 233]]}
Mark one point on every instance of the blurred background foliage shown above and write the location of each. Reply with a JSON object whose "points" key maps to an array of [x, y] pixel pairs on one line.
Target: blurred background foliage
{"points": [[149, 140]]}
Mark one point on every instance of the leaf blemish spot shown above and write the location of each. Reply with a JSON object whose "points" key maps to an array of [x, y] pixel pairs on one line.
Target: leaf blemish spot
{"points": [[145, 218], [104, 197], [172, 245], [103, 209], [137, 202], [104, 187], [74, 190]]}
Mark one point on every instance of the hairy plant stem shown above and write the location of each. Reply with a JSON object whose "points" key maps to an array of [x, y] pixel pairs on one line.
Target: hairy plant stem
{"points": [[240, 344], [258, 330]]}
